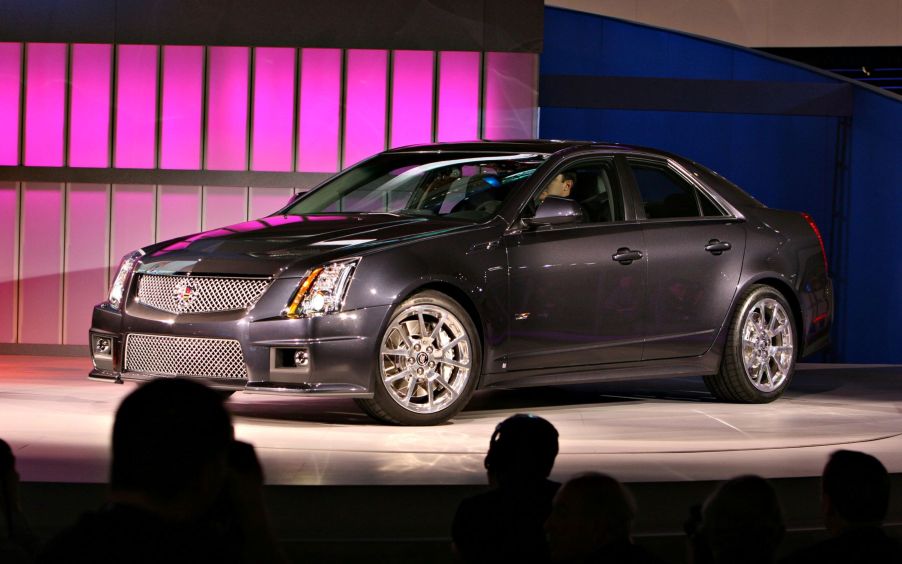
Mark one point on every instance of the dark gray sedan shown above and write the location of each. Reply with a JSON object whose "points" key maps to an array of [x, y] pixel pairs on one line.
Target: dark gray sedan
{"points": [[424, 273]]}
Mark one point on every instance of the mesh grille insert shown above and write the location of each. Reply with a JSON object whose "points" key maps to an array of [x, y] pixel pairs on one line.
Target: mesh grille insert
{"points": [[199, 294], [184, 356]]}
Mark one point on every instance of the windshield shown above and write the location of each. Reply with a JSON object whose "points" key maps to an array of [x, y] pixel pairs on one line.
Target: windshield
{"points": [[457, 185]]}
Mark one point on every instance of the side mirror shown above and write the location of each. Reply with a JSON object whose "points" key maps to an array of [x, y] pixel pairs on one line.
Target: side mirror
{"points": [[556, 211]]}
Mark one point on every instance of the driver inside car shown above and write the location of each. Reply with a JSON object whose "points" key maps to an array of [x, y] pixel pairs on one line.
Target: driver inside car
{"points": [[561, 186]]}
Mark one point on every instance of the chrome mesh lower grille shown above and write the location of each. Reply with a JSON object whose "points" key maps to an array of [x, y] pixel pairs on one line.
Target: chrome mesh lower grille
{"points": [[199, 294], [184, 356]]}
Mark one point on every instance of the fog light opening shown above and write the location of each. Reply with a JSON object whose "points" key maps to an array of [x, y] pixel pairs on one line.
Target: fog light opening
{"points": [[103, 346], [301, 357], [291, 358]]}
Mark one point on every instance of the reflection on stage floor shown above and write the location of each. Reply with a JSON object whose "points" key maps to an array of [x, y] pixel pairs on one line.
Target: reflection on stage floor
{"points": [[59, 425]]}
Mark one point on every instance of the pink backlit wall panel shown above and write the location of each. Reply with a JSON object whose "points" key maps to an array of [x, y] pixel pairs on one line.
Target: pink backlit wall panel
{"points": [[365, 98], [178, 211], [264, 201], [224, 205], [87, 236], [9, 228], [273, 118], [10, 88], [319, 113], [136, 106], [133, 220], [182, 107], [89, 106], [510, 95], [458, 96], [227, 97], [41, 263], [411, 113], [45, 99]]}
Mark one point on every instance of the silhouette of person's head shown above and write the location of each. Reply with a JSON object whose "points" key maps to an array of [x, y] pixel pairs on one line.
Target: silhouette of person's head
{"points": [[7, 460], [171, 442], [522, 450], [589, 512], [855, 490], [741, 522], [9, 479]]}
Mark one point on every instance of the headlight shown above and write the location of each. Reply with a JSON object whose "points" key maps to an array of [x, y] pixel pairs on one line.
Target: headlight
{"points": [[125, 269], [323, 290]]}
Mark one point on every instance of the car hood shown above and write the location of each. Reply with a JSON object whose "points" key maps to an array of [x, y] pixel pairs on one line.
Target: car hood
{"points": [[287, 245]]}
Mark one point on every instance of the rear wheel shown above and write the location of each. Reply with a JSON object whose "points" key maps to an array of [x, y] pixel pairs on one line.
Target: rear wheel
{"points": [[760, 353], [429, 361]]}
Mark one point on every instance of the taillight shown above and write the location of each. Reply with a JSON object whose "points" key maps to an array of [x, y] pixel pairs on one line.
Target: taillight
{"points": [[817, 233]]}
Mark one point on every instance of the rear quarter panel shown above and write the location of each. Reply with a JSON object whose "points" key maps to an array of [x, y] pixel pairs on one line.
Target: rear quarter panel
{"points": [[783, 251]]}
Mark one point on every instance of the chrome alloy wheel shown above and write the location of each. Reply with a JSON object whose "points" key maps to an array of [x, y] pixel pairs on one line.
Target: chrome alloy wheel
{"points": [[767, 348], [426, 358]]}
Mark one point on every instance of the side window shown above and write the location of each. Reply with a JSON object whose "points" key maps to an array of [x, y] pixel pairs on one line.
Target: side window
{"points": [[709, 208], [665, 194], [593, 185]]}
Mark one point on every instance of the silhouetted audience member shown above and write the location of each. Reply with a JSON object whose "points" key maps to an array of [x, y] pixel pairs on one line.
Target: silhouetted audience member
{"points": [[182, 488], [17, 543], [592, 521], [854, 500], [505, 523], [741, 522]]}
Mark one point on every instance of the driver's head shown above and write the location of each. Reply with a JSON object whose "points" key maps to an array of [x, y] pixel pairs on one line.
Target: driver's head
{"points": [[560, 185]]}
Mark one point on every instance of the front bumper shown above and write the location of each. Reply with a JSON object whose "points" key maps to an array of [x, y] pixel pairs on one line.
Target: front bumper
{"points": [[340, 350]]}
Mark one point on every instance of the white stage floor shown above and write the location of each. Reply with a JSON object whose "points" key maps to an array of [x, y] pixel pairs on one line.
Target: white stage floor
{"points": [[59, 424]]}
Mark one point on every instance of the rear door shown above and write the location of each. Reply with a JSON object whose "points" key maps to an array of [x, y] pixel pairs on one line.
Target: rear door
{"points": [[695, 249]]}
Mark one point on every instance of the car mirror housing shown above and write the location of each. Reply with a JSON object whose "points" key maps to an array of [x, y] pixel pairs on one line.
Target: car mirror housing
{"points": [[555, 210]]}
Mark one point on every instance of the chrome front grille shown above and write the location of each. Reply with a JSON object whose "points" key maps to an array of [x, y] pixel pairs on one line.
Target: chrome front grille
{"points": [[184, 356], [199, 294]]}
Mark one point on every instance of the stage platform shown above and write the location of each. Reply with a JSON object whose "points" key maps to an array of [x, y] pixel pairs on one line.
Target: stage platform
{"points": [[343, 488], [59, 423]]}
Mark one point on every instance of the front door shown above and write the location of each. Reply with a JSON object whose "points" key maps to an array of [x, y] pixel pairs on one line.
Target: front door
{"points": [[571, 302]]}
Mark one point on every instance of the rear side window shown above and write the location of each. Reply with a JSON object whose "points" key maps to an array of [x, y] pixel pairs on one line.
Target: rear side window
{"points": [[666, 194]]}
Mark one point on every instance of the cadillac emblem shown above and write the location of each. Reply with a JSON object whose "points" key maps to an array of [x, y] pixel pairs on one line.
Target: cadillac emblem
{"points": [[184, 294]]}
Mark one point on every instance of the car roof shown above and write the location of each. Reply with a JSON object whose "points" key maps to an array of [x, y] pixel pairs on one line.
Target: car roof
{"points": [[543, 146], [509, 146]]}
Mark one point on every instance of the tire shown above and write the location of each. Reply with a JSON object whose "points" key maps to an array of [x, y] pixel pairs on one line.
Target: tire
{"points": [[225, 394], [761, 349], [415, 382]]}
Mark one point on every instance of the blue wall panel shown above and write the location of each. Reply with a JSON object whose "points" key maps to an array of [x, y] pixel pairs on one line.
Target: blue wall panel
{"points": [[783, 160], [573, 45], [872, 305]]}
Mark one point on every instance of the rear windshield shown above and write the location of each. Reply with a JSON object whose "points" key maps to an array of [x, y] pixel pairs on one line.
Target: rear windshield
{"points": [[456, 185]]}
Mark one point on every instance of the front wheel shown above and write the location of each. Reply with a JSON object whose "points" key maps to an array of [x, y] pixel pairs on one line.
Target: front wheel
{"points": [[760, 353], [429, 361]]}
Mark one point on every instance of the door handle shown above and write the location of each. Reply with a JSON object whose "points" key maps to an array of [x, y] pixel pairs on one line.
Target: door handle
{"points": [[716, 247], [626, 256]]}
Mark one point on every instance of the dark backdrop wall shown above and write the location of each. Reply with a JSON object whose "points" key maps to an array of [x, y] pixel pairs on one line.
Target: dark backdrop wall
{"points": [[435, 25], [793, 137]]}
